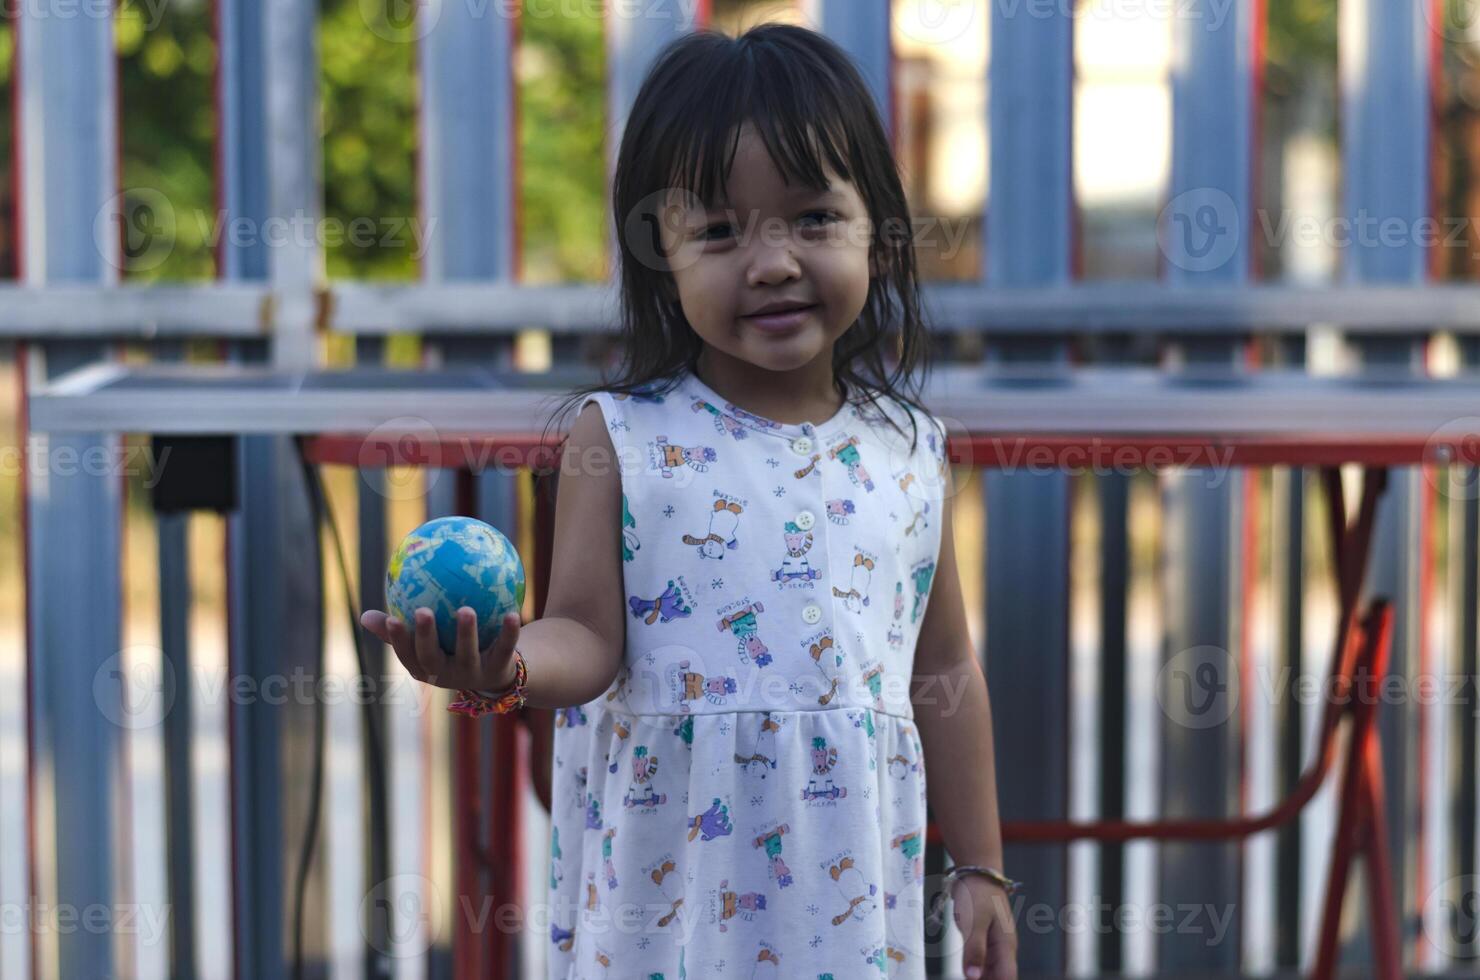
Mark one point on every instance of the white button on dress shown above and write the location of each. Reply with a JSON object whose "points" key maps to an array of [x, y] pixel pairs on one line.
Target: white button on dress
{"points": [[804, 520], [811, 614], [801, 445]]}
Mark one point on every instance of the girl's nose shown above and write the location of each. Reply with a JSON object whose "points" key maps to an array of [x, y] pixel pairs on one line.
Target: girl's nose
{"points": [[773, 264]]}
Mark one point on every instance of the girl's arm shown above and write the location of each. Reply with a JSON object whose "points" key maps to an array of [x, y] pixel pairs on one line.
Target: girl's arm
{"points": [[573, 651], [954, 715]]}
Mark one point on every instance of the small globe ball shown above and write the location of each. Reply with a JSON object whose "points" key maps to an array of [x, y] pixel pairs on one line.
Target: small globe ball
{"points": [[450, 562]]}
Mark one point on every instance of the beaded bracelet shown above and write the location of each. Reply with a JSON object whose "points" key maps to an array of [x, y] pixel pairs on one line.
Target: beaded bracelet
{"points": [[938, 902], [475, 704]]}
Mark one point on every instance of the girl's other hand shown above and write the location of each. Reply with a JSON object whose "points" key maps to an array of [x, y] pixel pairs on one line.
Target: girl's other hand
{"points": [[984, 916], [491, 669]]}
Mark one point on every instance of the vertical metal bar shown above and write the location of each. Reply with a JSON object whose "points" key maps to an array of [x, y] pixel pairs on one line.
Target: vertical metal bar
{"points": [[1204, 240], [1029, 231], [172, 532], [1463, 485], [268, 178], [1115, 582], [1385, 82], [370, 562], [470, 216], [862, 28], [1287, 530], [68, 151]]}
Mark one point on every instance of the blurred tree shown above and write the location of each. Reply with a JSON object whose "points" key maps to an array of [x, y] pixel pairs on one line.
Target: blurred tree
{"points": [[166, 61], [7, 144], [561, 75]]}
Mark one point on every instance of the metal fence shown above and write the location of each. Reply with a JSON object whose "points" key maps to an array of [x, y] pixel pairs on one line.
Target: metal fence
{"points": [[68, 310]]}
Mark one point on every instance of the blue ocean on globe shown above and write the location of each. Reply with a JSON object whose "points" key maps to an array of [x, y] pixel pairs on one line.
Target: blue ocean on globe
{"points": [[450, 562]]}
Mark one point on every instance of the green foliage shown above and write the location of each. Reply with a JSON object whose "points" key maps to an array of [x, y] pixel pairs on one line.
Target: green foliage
{"points": [[562, 117], [166, 57], [368, 99], [7, 146]]}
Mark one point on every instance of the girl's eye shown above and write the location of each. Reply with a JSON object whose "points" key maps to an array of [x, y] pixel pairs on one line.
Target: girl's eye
{"points": [[724, 227], [828, 217]]}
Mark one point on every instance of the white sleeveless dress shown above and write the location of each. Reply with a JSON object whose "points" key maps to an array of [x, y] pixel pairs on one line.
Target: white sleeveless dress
{"points": [[748, 798]]}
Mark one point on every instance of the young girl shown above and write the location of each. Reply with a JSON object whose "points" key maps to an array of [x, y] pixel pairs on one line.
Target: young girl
{"points": [[754, 631]]}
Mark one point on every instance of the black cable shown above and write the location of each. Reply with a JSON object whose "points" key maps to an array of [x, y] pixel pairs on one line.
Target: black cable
{"points": [[321, 513]]}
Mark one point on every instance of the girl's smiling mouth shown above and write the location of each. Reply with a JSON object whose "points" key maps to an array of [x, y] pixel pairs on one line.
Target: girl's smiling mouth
{"points": [[781, 319]]}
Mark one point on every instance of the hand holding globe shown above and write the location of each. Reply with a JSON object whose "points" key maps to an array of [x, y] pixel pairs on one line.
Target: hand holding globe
{"points": [[454, 587]]}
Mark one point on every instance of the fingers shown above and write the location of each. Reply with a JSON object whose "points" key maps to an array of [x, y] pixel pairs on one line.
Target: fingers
{"points": [[405, 647], [428, 652], [466, 660]]}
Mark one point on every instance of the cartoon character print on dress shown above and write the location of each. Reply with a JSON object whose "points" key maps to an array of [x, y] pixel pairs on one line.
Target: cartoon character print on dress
{"points": [[769, 839], [663, 873], [724, 519], [900, 765], [820, 788], [828, 657], [767, 964], [865, 720], [762, 753], [921, 574], [725, 904], [563, 939], [557, 873], [796, 572], [873, 679], [840, 509], [725, 425], [918, 507], [858, 894], [712, 823], [846, 452], [569, 717], [911, 848], [740, 618], [630, 544], [622, 731], [855, 597], [669, 459], [685, 730], [606, 857], [685, 685], [810, 467], [895, 635], [674, 602], [880, 957], [642, 794]]}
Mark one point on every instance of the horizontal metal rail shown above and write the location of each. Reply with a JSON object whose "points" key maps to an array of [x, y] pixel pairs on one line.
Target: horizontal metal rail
{"points": [[236, 309]]}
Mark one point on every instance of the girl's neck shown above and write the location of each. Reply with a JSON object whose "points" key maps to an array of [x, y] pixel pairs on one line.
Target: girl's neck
{"points": [[805, 394]]}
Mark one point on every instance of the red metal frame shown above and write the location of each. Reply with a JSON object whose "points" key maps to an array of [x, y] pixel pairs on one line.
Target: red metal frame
{"points": [[1360, 651]]}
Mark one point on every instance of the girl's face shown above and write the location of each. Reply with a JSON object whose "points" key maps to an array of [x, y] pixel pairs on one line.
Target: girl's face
{"points": [[768, 243]]}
